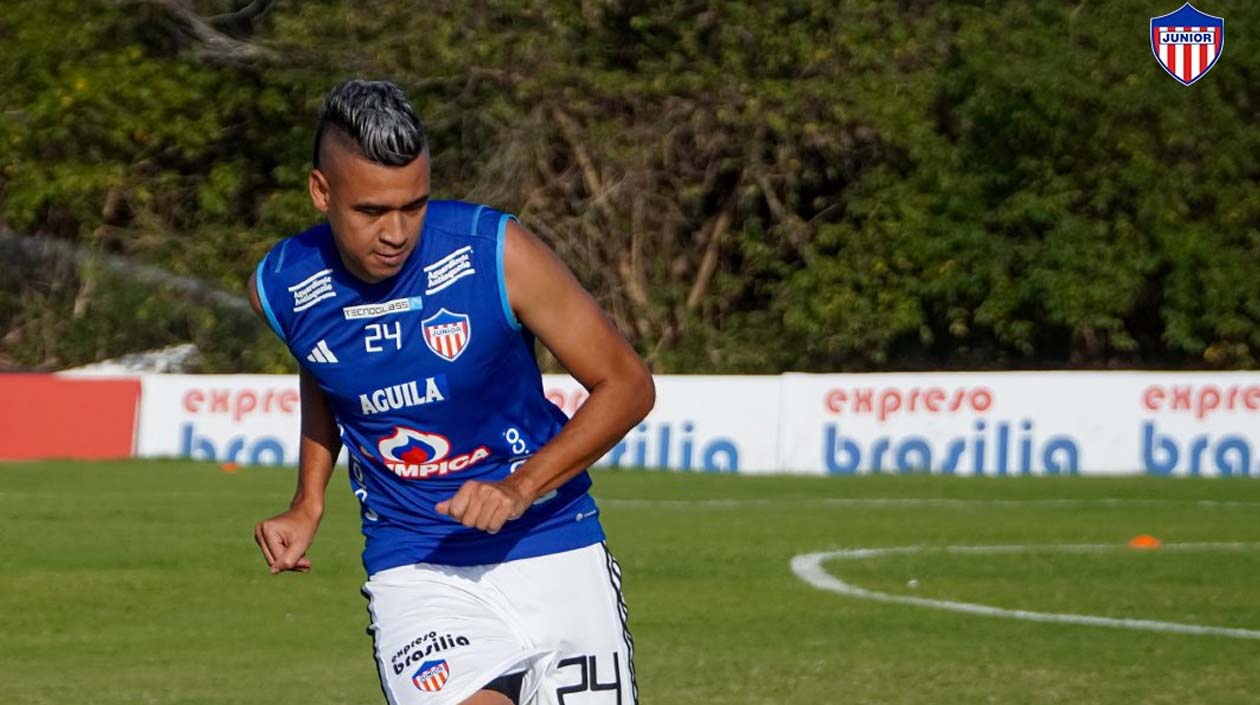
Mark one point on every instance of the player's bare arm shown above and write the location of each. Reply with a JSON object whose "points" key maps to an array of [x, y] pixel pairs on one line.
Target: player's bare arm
{"points": [[548, 300], [285, 538]]}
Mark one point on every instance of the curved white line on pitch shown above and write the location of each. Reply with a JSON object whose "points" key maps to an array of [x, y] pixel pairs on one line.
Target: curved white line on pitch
{"points": [[808, 567]]}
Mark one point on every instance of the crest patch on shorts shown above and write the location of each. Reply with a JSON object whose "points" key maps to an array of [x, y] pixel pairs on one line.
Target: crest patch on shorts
{"points": [[431, 676]]}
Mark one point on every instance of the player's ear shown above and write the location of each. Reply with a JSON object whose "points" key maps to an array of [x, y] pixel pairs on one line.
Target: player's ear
{"points": [[317, 184]]}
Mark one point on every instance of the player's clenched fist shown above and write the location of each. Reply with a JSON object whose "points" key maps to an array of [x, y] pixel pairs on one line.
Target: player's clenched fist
{"points": [[284, 539], [484, 505]]}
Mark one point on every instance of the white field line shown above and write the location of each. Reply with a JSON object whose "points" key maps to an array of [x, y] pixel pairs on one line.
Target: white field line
{"points": [[920, 502], [808, 567]]}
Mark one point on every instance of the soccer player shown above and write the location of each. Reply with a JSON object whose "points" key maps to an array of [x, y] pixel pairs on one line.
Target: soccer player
{"points": [[413, 321]]}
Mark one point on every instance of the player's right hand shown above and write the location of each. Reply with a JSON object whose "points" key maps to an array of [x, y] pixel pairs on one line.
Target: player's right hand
{"points": [[284, 539]]}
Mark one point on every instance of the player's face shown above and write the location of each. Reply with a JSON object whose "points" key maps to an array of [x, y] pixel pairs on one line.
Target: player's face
{"points": [[376, 211]]}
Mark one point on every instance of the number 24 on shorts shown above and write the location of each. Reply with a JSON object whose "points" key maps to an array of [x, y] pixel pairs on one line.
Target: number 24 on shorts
{"points": [[590, 677]]}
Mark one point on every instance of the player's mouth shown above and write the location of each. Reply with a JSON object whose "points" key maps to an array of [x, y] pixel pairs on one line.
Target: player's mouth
{"points": [[391, 260]]}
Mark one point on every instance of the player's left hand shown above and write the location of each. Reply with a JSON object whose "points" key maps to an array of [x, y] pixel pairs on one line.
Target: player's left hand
{"points": [[485, 505]]}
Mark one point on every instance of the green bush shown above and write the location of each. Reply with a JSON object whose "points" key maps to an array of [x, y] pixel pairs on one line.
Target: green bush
{"points": [[745, 187]]}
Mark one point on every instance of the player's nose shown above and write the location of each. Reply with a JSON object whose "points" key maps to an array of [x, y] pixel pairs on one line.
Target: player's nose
{"points": [[394, 230]]}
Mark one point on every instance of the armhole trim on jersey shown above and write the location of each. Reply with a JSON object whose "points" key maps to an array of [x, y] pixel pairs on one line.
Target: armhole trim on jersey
{"points": [[500, 238], [266, 305], [476, 220]]}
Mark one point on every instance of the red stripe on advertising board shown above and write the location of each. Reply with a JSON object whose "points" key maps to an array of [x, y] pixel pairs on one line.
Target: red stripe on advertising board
{"points": [[46, 416]]}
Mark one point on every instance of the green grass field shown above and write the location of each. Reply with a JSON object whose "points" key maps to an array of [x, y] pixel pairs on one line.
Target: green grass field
{"points": [[139, 582]]}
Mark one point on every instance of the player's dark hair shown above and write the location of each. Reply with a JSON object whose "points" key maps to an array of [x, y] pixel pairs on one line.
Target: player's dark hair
{"points": [[378, 117]]}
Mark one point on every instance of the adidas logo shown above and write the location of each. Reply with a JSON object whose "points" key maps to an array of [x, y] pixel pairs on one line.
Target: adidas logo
{"points": [[321, 353]]}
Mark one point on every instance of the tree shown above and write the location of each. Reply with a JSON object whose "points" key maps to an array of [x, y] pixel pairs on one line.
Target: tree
{"points": [[745, 187]]}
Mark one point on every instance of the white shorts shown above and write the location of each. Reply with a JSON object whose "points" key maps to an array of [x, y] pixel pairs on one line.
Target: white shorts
{"points": [[441, 633]]}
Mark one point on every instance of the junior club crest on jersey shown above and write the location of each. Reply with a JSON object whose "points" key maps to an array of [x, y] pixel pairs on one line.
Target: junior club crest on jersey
{"points": [[431, 676], [447, 334], [1187, 43]]}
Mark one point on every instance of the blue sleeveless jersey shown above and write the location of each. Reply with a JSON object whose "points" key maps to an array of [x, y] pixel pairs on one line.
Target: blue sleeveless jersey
{"points": [[433, 382]]}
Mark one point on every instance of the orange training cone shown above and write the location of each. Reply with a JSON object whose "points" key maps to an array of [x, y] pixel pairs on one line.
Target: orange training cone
{"points": [[1144, 542]]}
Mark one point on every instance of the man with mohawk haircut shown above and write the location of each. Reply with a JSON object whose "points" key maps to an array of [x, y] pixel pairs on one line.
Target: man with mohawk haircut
{"points": [[413, 321]]}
